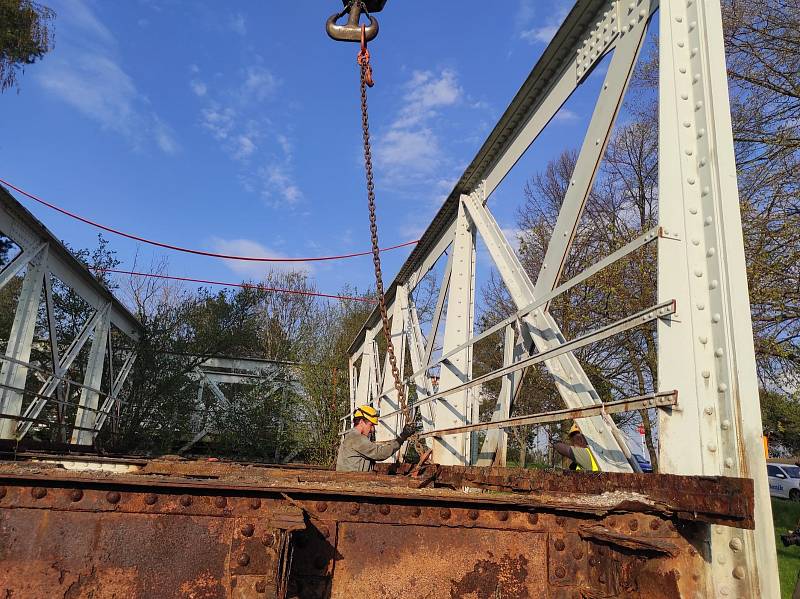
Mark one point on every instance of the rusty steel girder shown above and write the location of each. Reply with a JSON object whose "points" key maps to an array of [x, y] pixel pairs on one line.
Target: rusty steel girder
{"points": [[199, 530]]}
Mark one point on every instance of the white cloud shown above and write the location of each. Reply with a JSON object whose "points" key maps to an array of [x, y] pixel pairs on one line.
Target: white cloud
{"points": [[278, 183], [248, 247], [219, 121], [198, 87], [84, 73], [259, 84], [540, 34], [237, 24], [546, 27], [411, 148], [244, 147], [565, 114]]}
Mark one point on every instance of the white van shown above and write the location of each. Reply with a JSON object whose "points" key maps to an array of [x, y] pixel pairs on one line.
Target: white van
{"points": [[784, 481]]}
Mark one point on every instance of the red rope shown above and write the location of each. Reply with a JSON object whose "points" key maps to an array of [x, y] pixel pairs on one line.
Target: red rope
{"points": [[242, 285], [189, 250]]}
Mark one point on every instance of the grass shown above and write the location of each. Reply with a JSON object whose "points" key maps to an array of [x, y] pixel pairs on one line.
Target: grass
{"points": [[785, 515]]}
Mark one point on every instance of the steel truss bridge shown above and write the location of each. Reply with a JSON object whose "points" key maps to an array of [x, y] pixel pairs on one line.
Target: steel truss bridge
{"points": [[717, 510]]}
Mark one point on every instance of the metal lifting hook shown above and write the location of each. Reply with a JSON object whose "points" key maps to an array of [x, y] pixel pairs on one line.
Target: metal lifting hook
{"points": [[351, 31]]}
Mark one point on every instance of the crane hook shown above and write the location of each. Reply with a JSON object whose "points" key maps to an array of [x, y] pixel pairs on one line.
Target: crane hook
{"points": [[352, 31]]}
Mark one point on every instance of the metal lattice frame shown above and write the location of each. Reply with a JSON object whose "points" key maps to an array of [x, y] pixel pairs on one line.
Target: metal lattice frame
{"points": [[705, 345], [43, 257]]}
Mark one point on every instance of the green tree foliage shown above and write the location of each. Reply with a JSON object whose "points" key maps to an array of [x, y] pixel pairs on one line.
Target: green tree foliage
{"points": [[25, 36], [781, 419]]}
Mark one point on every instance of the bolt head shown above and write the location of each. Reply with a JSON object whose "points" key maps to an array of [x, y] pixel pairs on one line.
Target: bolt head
{"points": [[75, 495], [384, 509], [561, 572], [269, 539], [38, 492], [444, 513], [322, 506], [472, 514], [248, 530], [186, 500], [533, 518], [243, 559], [559, 545], [633, 524], [220, 502]]}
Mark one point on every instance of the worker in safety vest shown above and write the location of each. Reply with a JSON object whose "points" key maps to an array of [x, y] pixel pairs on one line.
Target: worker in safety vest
{"points": [[357, 451], [578, 451]]}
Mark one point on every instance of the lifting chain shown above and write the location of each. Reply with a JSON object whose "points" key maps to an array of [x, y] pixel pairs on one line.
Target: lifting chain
{"points": [[366, 81]]}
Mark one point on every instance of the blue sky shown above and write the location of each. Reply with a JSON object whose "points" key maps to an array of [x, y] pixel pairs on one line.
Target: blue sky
{"points": [[234, 127]]}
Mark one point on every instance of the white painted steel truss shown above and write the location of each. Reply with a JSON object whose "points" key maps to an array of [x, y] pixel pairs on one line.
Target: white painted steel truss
{"points": [[44, 258], [705, 345]]}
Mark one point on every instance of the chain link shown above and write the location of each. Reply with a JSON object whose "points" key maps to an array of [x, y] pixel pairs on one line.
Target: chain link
{"points": [[366, 78]]}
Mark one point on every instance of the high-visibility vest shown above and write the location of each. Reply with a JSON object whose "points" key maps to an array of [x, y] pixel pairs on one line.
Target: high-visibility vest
{"points": [[595, 467]]}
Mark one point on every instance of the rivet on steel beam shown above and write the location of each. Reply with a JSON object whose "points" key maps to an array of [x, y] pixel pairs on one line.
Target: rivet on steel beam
{"points": [[577, 553], [561, 572], [75, 495], [255, 503], [444, 513], [416, 512], [220, 502], [713, 284], [472, 514], [150, 498], [38, 492], [655, 524], [633, 524], [559, 544], [186, 500], [248, 530], [716, 318], [384, 509], [738, 573], [736, 544], [243, 559], [533, 518], [268, 539], [729, 462], [502, 515], [261, 587], [354, 509], [2, 492], [113, 497]]}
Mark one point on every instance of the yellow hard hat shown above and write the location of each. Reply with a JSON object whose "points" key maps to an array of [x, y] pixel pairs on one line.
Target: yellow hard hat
{"points": [[574, 429], [367, 412]]}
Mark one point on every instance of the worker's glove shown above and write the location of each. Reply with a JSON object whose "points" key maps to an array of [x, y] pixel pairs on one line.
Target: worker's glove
{"points": [[408, 430]]}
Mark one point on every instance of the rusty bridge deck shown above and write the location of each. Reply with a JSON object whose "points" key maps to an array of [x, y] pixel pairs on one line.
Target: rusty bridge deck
{"points": [[204, 530]]}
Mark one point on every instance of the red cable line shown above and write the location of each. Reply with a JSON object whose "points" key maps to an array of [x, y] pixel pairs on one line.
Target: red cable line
{"points": [[242, 285], [189, 250]]}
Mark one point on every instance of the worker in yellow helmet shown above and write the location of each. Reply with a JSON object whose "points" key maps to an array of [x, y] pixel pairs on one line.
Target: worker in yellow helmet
{"points": [[578, 451], [357, 451]]}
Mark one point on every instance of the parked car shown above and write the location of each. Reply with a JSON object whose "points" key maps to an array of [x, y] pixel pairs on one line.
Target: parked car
{"points": [[644, 463], [784, 481]]}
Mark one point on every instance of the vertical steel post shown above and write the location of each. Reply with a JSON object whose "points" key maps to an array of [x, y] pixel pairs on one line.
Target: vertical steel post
{"points": [[495, 445], [86, 418], [19, 343], [452, 410], [706, 353]]}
